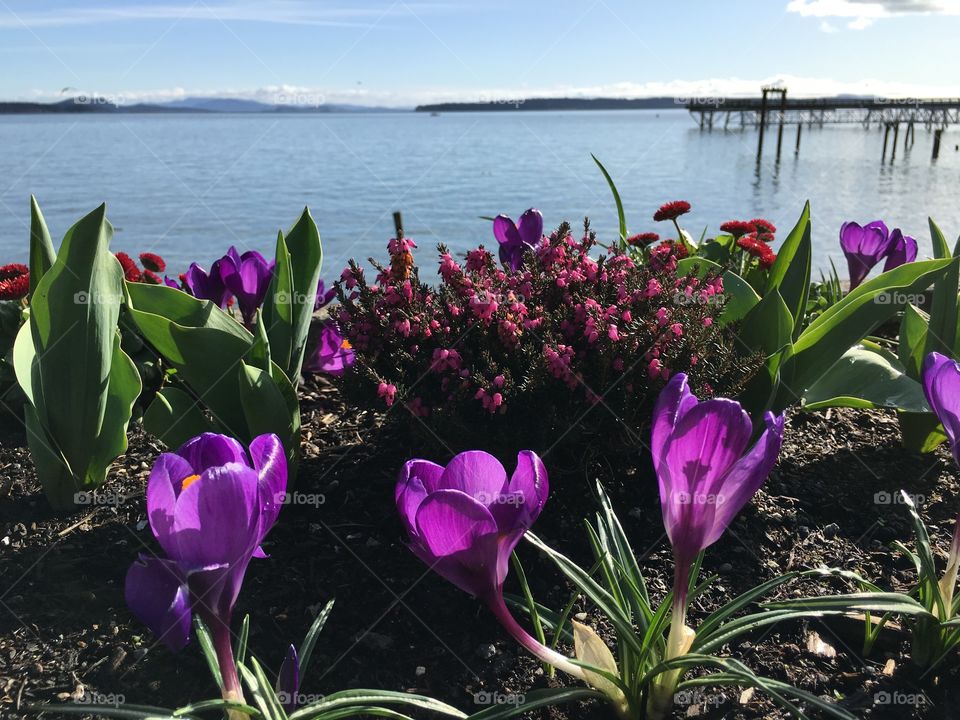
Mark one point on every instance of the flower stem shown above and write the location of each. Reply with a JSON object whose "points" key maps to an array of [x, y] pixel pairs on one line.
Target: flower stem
{"points": [[531, 644], [681, 637], [232, 690]]}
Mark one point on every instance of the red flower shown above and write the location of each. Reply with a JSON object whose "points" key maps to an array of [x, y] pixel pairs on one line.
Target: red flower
{"points": [[150, 278], [738, 227], [153, 262], [758, 249], [130, 270], [643, 239], [14, 281], [672, 210], [764, 226]]}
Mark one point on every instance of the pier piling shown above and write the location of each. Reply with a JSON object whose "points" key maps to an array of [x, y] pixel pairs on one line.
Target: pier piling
{"points": [[936, 143]]}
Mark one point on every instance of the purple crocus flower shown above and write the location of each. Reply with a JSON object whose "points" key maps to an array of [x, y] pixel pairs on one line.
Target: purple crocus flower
{"points": [[465, 519], [864, 246], [517, 238], [705, 470], [248, 277], [209, 508], [941, 385], [288, 680], [902, 250], [207, 286], [333, 354], [706, 474]]}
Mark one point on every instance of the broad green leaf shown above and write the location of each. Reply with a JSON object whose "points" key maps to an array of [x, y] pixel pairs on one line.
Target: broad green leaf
{"points": [[790, 274], [912, 339], [921, 432], [834, 332], [277, 315], [867, 376], [942, 335], [174, 417], [42, 254], [266, 408], [299, 257], [768, 327], [621, 217]]}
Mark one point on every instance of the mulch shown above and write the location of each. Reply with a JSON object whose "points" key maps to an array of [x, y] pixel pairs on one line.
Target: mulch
{"points": [[66, 634]]}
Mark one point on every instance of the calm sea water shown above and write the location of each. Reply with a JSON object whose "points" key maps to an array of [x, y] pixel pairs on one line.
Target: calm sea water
{"points": [[188, 186]]}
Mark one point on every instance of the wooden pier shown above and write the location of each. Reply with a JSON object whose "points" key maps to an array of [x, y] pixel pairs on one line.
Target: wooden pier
{"points": [[933, 114]]}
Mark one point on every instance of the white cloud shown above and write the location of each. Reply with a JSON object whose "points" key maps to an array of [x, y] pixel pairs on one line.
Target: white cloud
{"points": [[827, 27], [863, 13], [278, 11], [368, 96]]}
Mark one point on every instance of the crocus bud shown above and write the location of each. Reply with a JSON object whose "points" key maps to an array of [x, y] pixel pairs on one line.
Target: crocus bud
{"points": [[288, 680], [864, 246]]}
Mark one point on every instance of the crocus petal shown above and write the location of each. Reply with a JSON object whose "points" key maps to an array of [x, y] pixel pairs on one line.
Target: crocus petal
{"points": [[863, 247], [706, 441], [941, 385], [217, 518], [476, 473], [903, 249], [674, 400], [530, 227], [520, 504], [746, 477], [163, 486], [449, 521], [457, 537], [210, 450], [506, 231], [417, 478], [157, 594], [333, 355], [270, 462]]}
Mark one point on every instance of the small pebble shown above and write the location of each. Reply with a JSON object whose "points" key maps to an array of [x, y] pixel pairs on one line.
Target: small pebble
{"points": [[487, 651], [420, 671], [830, 531], [726, 567], [580, 617]]}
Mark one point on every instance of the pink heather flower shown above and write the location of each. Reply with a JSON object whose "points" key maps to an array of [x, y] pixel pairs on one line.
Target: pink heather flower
{"points": [[708, 321], [655, 367], [612, 333], [387, 392], [662, 316], [483, 306], [677, 329], [653, 288], [499, 381], [417, 408]]}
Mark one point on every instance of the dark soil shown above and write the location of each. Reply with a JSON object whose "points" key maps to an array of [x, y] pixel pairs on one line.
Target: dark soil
{"points": [[66, 634]]}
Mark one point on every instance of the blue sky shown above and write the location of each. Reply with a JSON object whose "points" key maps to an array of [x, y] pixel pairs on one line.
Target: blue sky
{"points": [[380, 52]]}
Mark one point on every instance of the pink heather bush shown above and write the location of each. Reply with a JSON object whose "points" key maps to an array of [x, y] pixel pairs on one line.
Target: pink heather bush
{"points": [[567, 340]]}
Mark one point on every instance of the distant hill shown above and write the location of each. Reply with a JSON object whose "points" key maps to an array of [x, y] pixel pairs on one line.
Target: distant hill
{"points": [[100, 105], [532, 104]]}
